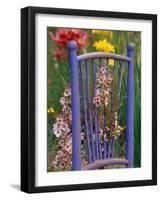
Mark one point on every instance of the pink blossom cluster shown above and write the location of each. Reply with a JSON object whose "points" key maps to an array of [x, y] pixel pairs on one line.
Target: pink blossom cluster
{"points": [[102, 99], [62, 159], [62, 129], [111, 130], [115, 128], [103, 88]]}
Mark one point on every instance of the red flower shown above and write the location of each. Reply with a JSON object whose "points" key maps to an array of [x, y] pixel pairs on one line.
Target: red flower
{"points": [[64, 35], [59, 53]]}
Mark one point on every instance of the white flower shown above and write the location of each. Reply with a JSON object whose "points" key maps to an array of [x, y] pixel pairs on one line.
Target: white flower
{"points": [[106, 92], [64, 126], [109, 79], [67, 92], [65, 108], [67, 130], [82, 135], [105, 138], [98, 92], [101, 131], [62, 100], [59, 119], [97, 101], [61, 143], [116, 122], [106, 101], [107, 129], [57, 125], [103, 70], [118, 132], [57, 157], [57, 132], [119, 127], [59, 153], [54, 163], [62, 165], [69, 142], [68, 148], [102, 79]]}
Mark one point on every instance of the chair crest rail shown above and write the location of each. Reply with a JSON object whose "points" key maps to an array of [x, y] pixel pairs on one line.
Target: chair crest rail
{"points": [[97, 55]]}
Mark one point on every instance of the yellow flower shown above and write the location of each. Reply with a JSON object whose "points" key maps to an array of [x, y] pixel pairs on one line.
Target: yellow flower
{"points": [[107, 33], [122, 129], [51, 110], [111, 62], [96, 31], [103, 45]]}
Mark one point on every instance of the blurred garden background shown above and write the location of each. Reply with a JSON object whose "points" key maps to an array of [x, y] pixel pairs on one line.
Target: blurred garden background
{"points": [[59, 82]]}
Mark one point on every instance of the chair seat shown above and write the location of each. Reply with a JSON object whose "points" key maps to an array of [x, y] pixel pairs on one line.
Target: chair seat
{"points": [[102, 163]]}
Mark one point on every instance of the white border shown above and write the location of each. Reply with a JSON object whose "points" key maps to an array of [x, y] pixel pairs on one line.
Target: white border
{"points": [[61, 178]]}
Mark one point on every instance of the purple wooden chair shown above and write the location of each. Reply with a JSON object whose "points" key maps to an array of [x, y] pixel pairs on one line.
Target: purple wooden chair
{"points": [[96, 158]]}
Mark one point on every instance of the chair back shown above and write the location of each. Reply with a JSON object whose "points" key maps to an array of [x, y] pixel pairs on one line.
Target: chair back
{"points": [[84, 71]]}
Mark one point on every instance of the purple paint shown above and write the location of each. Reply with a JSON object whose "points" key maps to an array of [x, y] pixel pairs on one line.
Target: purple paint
{"points": [[76, 128], [113, 147], [105, 117], [85, 113], [130, 108], [100, 61], [103, 55], [89, 111], [111, 143], [109, 150], [114, 73], [95, 110], [120, 80], [99, 142], [107, 66]]}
